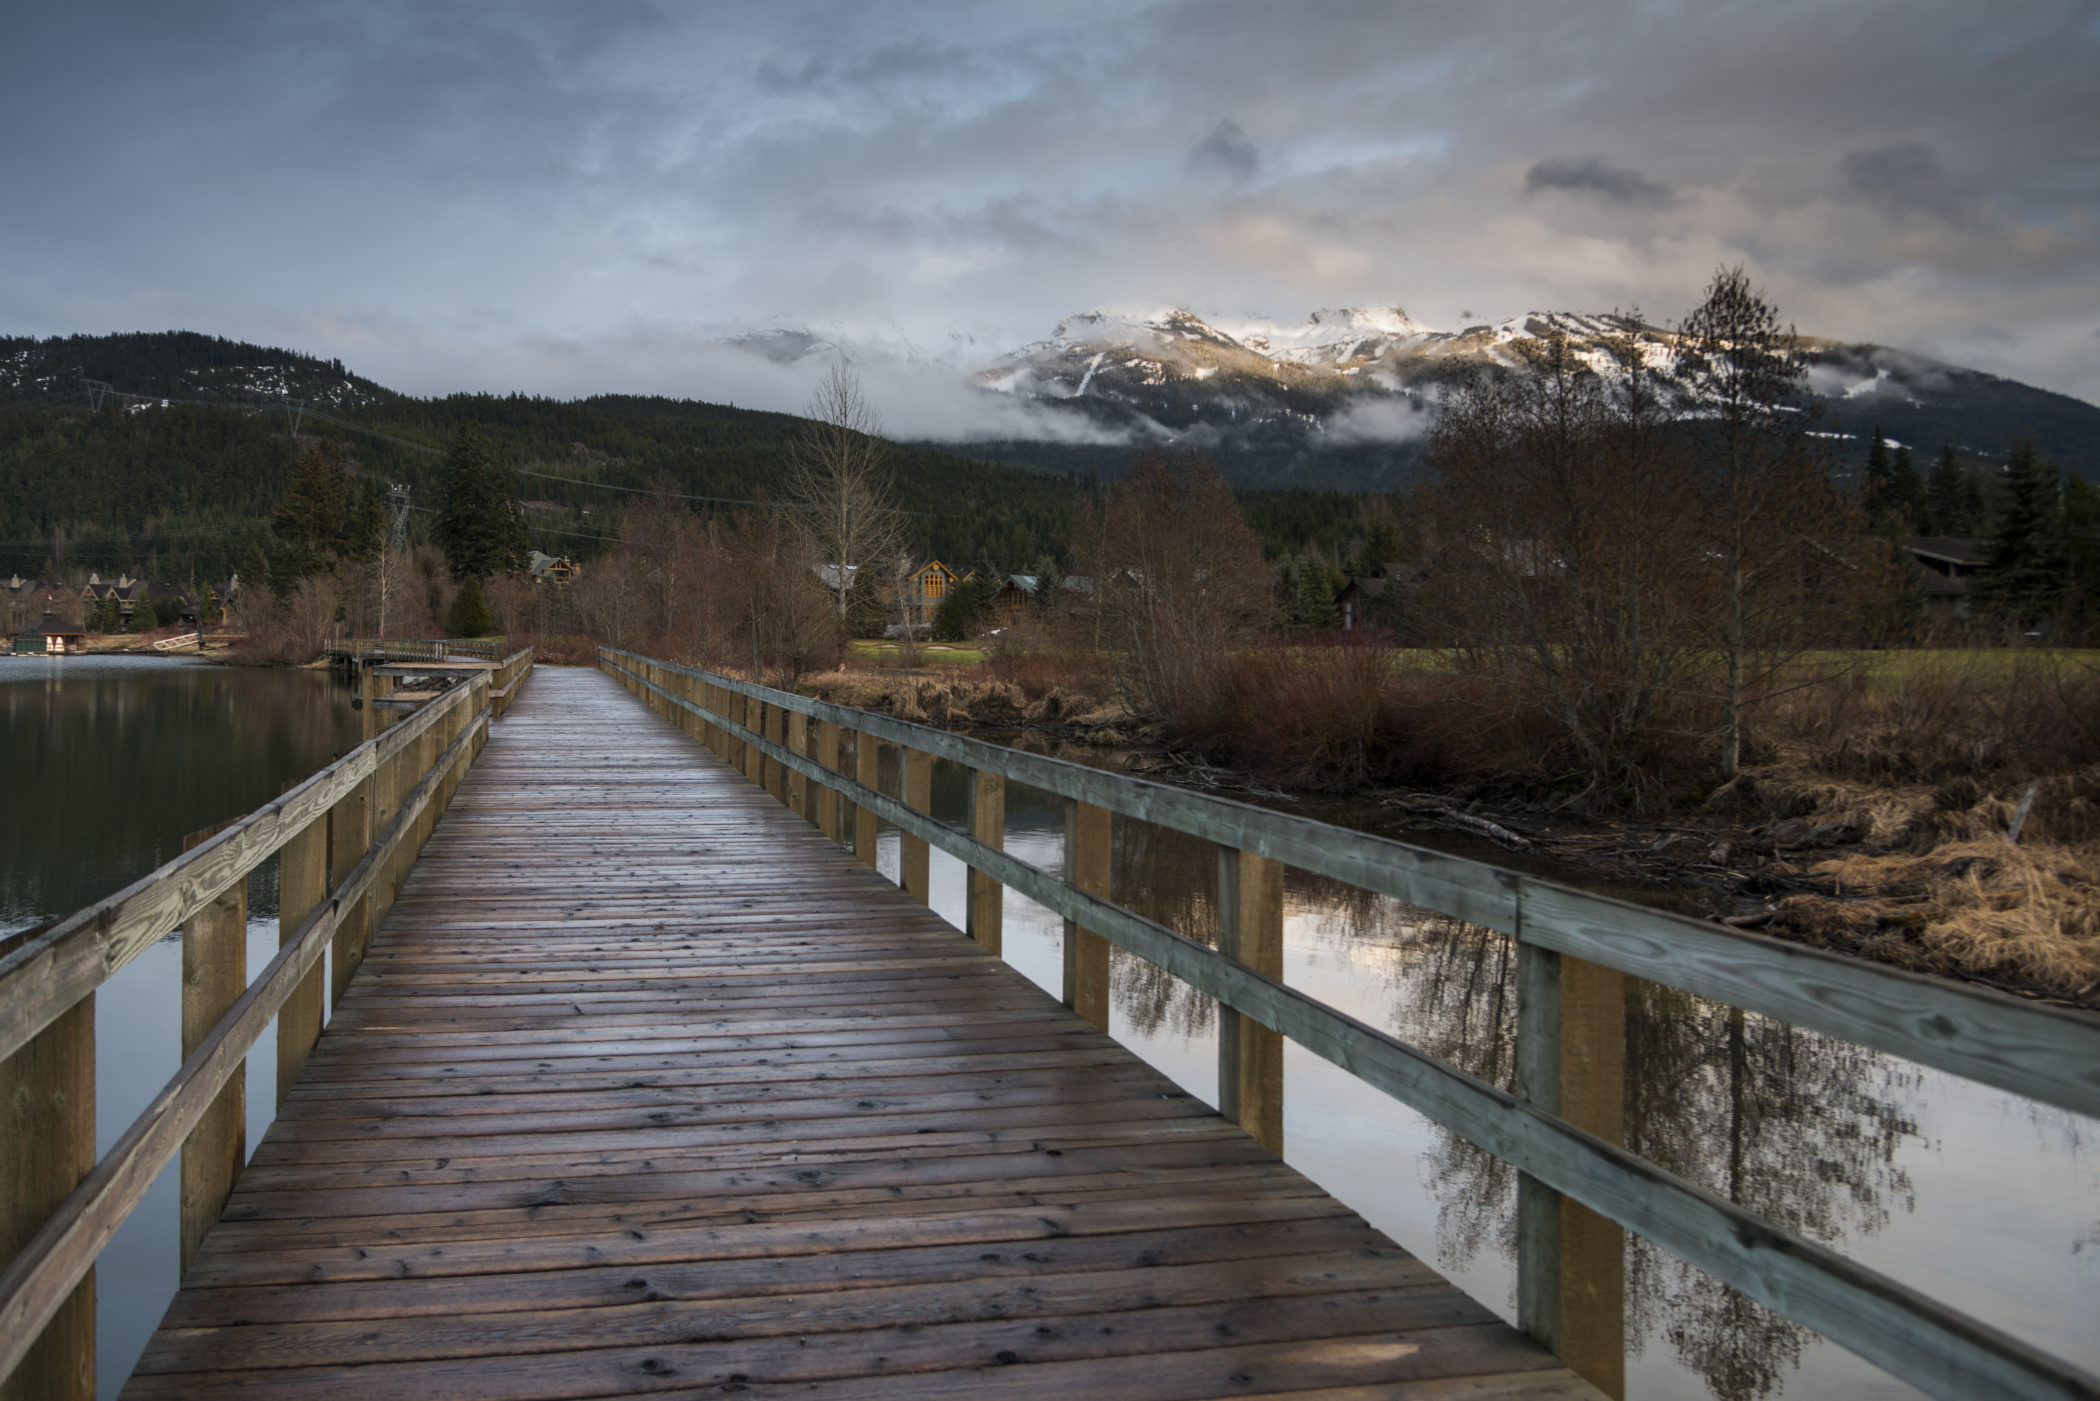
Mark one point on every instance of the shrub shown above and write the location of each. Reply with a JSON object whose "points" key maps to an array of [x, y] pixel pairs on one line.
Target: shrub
{"points": [[469, 615]]}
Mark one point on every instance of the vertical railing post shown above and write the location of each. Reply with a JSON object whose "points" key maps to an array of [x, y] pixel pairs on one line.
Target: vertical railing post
{"points": [[750, 714], [302, 886], [47, 1145], [1088, 835], [867, 771], [798, 745], [777, 772], [915, 870], [214, 975], [1250, 1056], [985, 911], [827, 797], [1571, 1062], [349, 838]]}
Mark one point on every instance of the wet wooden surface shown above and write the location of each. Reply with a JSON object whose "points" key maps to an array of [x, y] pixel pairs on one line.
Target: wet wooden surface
{"points": [[645, 1088]]}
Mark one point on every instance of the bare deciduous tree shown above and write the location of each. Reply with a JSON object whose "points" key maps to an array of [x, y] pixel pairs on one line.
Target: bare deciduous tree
{"points": [[1178, 580], [1773, 526], [840, 484], [1566, 550]]}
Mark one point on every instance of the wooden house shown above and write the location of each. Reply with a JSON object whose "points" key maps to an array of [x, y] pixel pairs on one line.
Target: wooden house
{"points": [[1015, 592], [1374, 599], [25, 600], [926, 589], [1947, 570], [551, 569]]}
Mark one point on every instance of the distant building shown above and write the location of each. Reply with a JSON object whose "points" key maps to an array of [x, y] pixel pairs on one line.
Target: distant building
{"points": [[926, 589], [551, 569], [171, 603], [1015, 592], [1374, 599], [26, 600], [49, 638], [1947, 571]]}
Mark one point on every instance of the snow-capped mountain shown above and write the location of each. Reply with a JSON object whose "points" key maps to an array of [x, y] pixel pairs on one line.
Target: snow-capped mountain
{"points": [[1289, 402]]}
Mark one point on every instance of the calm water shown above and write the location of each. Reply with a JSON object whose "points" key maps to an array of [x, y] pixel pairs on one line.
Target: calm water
{"points": [[1983, 1199], [109, 762]]}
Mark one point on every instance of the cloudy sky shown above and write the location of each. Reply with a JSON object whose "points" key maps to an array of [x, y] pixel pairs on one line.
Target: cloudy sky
{"points": [[573, 198]]}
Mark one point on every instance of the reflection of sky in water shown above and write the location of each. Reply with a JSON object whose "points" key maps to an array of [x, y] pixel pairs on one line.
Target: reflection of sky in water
{"points": [[1978, 1198]]}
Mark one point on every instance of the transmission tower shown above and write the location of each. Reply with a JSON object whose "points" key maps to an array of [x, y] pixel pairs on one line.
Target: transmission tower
{"points": [[97, 389], [397, 496]]}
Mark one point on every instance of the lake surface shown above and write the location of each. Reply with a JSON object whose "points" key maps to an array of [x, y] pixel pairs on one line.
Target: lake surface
{"points": [[1982, 1199], [109, 763]]}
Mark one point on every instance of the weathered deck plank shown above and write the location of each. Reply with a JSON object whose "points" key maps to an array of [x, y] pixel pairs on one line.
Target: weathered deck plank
{"points": [[646, 1088]]}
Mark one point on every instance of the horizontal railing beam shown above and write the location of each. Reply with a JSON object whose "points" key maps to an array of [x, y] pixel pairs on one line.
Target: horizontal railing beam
{"points": [[40, 1277], [2045, 1053], [39, 981], [1934, 1347]]}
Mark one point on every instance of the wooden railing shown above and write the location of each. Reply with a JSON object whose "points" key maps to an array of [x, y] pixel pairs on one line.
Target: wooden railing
{"points": [[414, 649], [1577, 1184], [336, 881]]}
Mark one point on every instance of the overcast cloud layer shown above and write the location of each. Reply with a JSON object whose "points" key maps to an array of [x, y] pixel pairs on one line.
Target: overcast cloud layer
{"points": [[572, 199]]}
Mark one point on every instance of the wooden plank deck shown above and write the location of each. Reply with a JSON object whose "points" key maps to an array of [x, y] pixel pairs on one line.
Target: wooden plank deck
{"points": [[647, 1089]]}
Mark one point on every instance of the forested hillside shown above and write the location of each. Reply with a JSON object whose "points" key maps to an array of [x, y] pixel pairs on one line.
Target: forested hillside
{"points": [[177, 472]]}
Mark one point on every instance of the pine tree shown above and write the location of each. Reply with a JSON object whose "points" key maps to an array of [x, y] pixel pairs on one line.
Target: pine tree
{"points": [[312, 517], [481, 526], [1875, 487], [2029, 565], [1906, 491], [1946, 498], [469, 615]]}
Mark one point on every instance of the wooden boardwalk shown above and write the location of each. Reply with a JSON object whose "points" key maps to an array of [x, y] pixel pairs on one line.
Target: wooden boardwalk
{"points": [[645, 1088]]}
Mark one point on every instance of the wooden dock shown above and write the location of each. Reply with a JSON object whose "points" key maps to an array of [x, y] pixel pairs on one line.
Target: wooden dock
{"points": [[645, 1087]]}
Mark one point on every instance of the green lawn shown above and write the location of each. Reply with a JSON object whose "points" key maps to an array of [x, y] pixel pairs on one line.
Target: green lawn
{"points": [[930, 653]]}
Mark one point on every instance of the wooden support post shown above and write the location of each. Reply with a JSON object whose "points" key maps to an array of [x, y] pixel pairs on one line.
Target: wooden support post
{"points": [[214, 975], [828, 804], [798, 745], [752, 718], [867, 772], [1088, 833], [302, 886], [47, 1145], [1250, 1056], [349, 838], [1571, 1061], [984, 918], [915, 869], [777, 772]]}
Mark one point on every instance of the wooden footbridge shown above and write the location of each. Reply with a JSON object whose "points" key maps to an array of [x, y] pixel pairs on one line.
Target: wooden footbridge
{"points": [[641, 1081]]}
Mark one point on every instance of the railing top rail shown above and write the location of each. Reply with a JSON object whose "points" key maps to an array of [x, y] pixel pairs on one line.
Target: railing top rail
{"points": [[2047, 1053], [45, 976]]}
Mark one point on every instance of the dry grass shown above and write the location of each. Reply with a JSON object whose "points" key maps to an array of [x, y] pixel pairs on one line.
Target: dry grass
{"points": [[2025, 913]]}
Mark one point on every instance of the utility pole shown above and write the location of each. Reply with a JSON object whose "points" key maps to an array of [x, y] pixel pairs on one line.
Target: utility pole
{"points": [[397, 498]]}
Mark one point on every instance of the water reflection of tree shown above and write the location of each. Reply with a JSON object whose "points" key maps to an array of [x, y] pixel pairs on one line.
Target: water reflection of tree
{"points": [[1172, 879], [1800, 1129]]}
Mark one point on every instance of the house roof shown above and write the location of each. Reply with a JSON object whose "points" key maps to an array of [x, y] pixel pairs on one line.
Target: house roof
{"points": [[1952, 549]]}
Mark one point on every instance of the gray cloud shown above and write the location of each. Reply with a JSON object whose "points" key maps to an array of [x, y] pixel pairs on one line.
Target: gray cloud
{"points": [[1906, 178], [424, 188], [1591, 175], [1226, 150]]}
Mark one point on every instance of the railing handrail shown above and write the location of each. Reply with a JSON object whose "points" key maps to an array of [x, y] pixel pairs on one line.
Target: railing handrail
{"points": [[63, 963], [2042, 1052], [1932, 1345]]}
